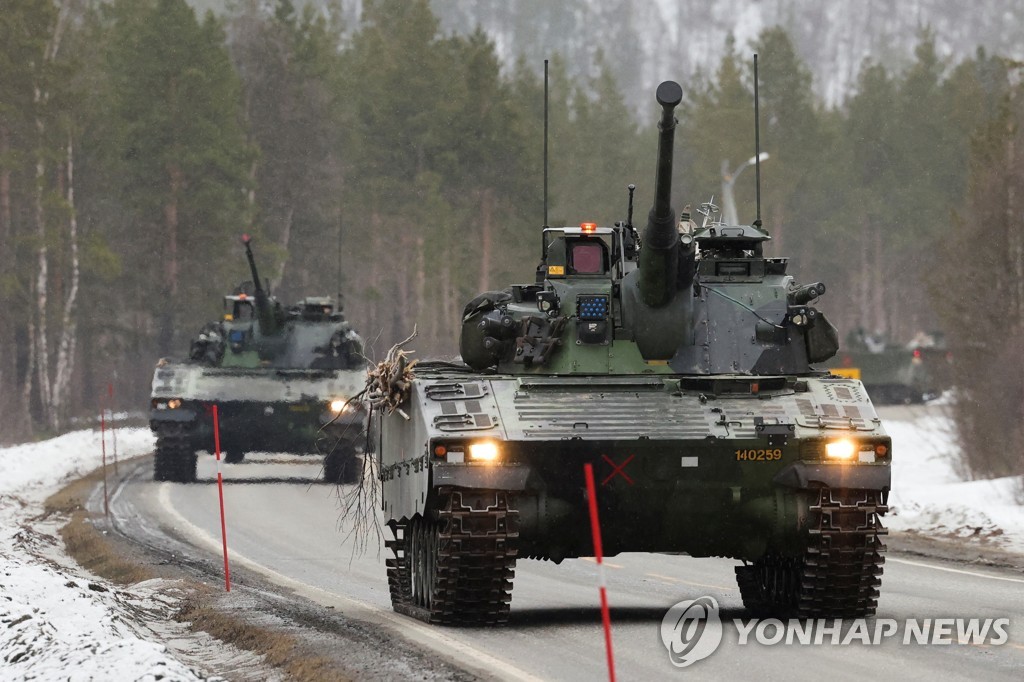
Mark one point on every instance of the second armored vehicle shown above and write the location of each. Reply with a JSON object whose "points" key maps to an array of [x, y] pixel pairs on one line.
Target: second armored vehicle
{"points": [[277, 378], [895, 374], [681, 367]]}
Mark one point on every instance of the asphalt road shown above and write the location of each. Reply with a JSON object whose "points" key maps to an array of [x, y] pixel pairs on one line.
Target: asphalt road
{"points": [[290, 529]]}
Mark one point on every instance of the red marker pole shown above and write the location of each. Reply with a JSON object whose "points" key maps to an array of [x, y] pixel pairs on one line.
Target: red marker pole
{"points": [[595, 529], [113, 429], [103, 447], [220, 492]]}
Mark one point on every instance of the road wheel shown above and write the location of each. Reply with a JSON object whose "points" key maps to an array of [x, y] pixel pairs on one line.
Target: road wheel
{"points": [[424, 543], [341, 465], [175, 460], [770, 586], [162, 465], [456, 568], [187, 467], [839, 573]]}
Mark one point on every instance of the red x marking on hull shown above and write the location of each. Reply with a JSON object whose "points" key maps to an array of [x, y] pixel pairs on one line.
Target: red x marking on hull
{"points": [[617, 469]]}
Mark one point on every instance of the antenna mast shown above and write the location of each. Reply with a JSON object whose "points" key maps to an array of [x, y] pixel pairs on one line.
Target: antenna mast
{"points": [[757, 145], [545, 143], [340, 231]]}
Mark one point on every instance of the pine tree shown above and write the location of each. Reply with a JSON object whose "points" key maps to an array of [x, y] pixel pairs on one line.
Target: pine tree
{"points": [[185, 157], [288, 62]]}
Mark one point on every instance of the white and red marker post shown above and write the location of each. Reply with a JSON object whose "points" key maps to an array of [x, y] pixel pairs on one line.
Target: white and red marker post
{"points": [[595, 529], [103, 449], [220, 492], [113, 428]]}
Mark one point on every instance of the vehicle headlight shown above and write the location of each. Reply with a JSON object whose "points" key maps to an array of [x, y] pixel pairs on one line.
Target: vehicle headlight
{"points": [[841, 449], [340, 405], [484, 451]]}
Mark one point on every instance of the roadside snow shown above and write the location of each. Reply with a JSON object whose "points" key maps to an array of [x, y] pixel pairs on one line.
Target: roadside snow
{"points": [[928, 497], [55, 623]]}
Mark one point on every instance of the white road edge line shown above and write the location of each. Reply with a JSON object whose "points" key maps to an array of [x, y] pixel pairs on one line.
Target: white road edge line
{"points": [[449, 646], [953, 570]]}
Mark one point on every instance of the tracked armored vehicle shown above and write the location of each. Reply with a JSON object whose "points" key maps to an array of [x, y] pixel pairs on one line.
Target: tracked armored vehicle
{"points": [[895, 374], [281, 381], [681, 366]]}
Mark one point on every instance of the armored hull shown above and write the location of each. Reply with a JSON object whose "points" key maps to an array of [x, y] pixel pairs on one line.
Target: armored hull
{"points": [[680, 469], [259, 410]]}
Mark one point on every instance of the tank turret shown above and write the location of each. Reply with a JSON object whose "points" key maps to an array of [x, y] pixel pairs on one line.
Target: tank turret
{"points": [[691, 300]]}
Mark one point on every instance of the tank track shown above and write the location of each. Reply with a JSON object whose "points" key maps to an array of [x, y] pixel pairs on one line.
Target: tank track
{"points": [[839, 573], [174, 459], [471, 579]]}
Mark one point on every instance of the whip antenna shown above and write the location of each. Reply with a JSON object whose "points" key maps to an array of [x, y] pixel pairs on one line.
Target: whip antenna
{"points": [[545, 143], [340, 232], [757, 145]]}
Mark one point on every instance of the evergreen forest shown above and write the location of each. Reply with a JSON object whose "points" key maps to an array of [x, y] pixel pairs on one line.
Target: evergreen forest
{"points": [[400, 163]]}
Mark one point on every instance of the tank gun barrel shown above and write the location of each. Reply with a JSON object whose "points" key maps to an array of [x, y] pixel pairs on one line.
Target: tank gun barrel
{"points": [[247, 240], [268, 320], [659, 258]]}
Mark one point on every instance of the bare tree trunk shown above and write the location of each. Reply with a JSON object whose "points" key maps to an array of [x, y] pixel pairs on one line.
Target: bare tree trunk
{"points": [[1016, 250], [30, 369], [373, 306], [403, 312], [863, 282], [8, 367], [487, 217], [66, 351], [286, 234], [877, 277], [448, 323], [252, 179], [42, 284], [5, 186], [778, 230], [420, 289], [171, 266], [176, 178]]}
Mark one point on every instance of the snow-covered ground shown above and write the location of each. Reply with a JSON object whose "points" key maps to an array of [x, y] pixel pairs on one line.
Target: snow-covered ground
{"points": [[928, 497], [57, 622]]}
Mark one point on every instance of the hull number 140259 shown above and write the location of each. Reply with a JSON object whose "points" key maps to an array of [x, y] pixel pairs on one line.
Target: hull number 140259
{"points": [[758, 455]]}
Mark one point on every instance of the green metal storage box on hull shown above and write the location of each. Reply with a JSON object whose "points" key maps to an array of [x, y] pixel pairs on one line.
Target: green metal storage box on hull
{"points": [[681, 369]]}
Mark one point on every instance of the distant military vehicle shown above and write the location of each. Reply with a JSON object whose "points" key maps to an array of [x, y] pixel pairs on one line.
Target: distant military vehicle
{"points": [[276, 376], [681, 367], [895, 374]]}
